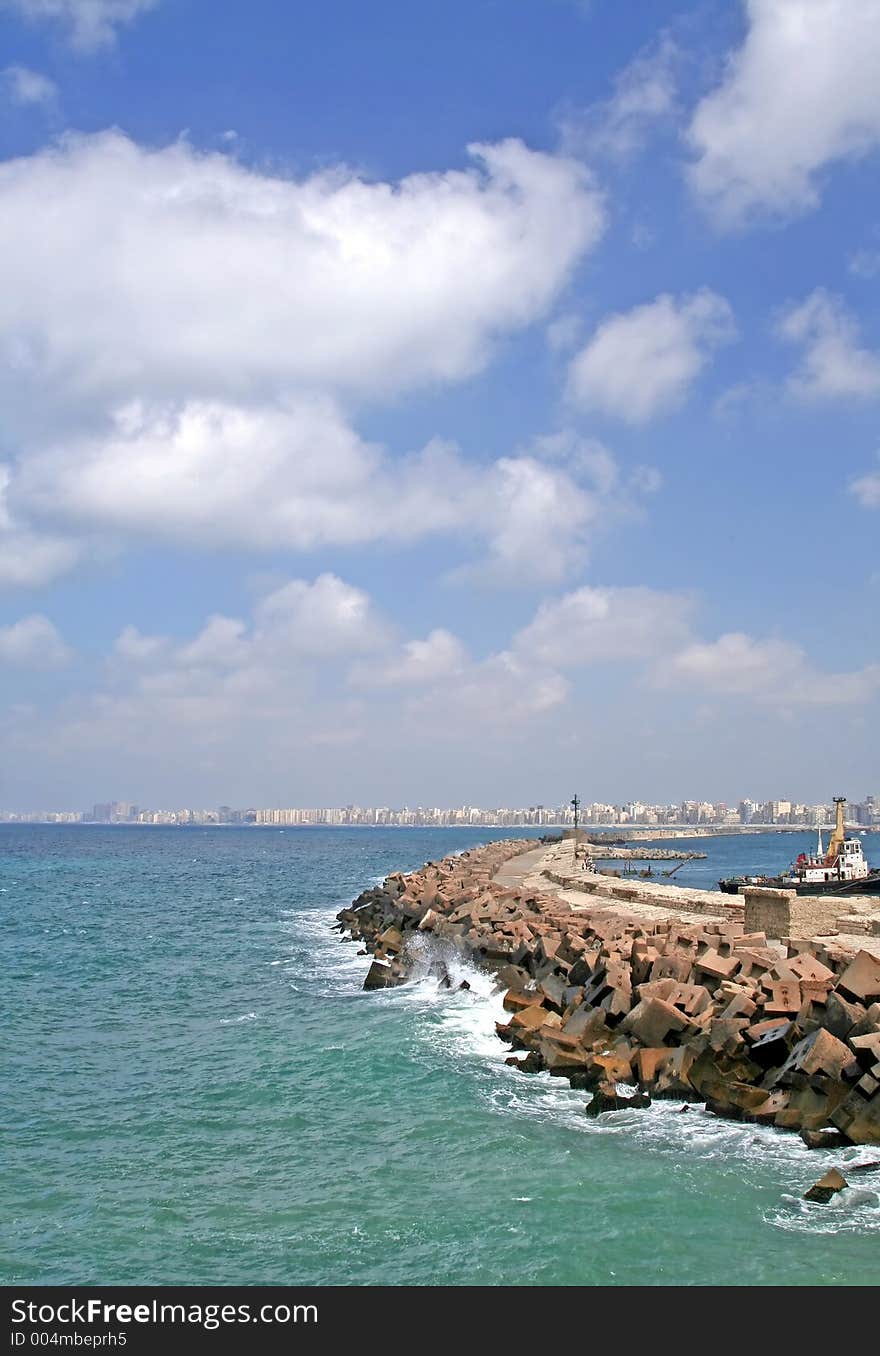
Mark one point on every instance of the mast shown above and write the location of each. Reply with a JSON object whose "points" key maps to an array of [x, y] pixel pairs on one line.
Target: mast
{"points": [[835, 842]]}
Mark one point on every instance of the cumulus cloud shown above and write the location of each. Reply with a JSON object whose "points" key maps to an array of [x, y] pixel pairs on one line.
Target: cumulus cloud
{"points": [[800, 94], [298, 622], [218, 281], [293, 675], [504, 691], [33, 643], [298, 476], [440, 655], [644, 94], [866, 489], [643, 362], [209, 397], [834, 364], [595, 625], [770, 670], [25, 87], [29, 558], [90, 24]]}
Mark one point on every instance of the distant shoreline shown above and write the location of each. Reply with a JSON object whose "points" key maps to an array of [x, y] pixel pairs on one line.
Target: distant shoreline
{"points": [[637, 833]]}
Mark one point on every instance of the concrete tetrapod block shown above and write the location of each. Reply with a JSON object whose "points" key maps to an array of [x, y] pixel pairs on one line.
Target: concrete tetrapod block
{"points": [[652, 1020], [861, 979], [826, 1187]]}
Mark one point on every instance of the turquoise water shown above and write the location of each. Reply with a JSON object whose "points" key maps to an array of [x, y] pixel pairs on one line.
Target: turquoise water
{"points": [[196, 1089]]}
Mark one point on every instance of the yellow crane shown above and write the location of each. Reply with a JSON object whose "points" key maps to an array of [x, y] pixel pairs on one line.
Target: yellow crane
{"points": [[835, 842]]}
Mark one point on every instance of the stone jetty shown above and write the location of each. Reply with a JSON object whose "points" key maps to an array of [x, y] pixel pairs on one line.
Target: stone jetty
{"points": [[631, 1000]]}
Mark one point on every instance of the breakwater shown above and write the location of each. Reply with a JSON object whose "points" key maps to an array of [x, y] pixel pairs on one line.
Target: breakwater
{"points": [[782, 1031]]}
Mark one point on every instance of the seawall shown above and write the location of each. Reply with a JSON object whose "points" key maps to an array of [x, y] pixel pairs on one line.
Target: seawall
{"points": [[659, 998]]}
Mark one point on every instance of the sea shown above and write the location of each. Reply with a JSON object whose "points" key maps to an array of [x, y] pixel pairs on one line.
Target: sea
{"points": [[196, 1090]]}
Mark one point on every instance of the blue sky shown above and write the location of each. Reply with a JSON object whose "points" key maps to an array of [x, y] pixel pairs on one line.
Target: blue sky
{"points": [[433, 403]]}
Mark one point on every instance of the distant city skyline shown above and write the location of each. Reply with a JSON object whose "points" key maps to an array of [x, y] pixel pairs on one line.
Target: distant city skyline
{"points": [[596, 813]]}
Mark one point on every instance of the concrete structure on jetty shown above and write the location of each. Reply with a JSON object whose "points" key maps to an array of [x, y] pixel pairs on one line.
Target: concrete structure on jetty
{"points": [[666, 997]]}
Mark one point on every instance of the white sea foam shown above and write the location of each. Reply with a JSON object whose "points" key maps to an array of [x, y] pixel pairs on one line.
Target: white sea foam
{"points": [[459, 1026]]}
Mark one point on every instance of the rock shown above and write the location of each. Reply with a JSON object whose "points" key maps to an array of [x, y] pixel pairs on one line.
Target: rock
{"points": [[530, 1018], [588, 1024], [380, 976], [649, 1062], [673, 966], [823, 1139], [858, 1119], [514, 1001], [463, 986], [715, 965], [867, 1049], [391, 940], [772, 1045], [811, 1108], [606, 1098], [818, 1052], [826, 1187], [861, 978], [553, 990], [840, 1015], [725, 1033], [652, 1019], [785, 997], [561, 1052]]}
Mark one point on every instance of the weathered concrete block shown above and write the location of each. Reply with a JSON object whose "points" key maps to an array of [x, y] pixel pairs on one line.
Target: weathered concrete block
{"points": [[782, 913], [861, 979], [672, 966], [530, 1018], [649, 1062], [379, 976], [826, 1187], [715, 965], [785, 997], [840, 1016], [652, 1020]]}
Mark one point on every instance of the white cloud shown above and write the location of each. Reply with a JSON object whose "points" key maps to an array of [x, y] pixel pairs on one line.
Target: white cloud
{"points": [[643, 362], [644, 94], [440, 655], [26, 87], [29, 558], [286, 679], [799, 94], [90, 23], [320, 620], [595, 625], [865, 264], [220, 282], [34, 643], [299, 477], [503, 692], [298, 622], [133, 646], [866, 488], [208, 398], [834, 364], [769, 670]]}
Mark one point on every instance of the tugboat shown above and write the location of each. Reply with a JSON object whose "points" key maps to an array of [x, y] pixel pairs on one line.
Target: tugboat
{"points": [[841, 870]]}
